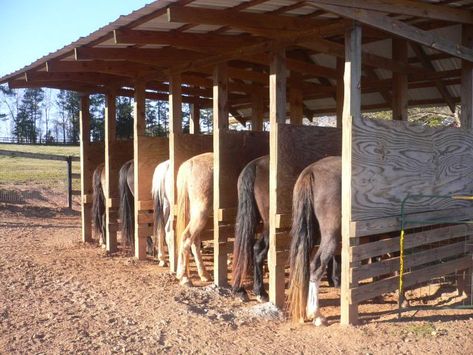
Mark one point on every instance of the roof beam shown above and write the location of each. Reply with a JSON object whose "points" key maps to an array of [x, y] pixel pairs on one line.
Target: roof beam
{"points": [[399, 28], [243, 20], [122, 68], [426, 63], [410, 8], [91, 78], [159, 57], [200, 42]]}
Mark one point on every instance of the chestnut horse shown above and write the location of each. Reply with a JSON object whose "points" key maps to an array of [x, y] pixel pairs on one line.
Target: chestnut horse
{"points": [[194, 207], [161, 190], [316, 220]]}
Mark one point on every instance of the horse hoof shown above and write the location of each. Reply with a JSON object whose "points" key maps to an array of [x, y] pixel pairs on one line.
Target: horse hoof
{"points": [[262, 298], [405, 304], [186, 282], [320, 322], [206, 278], [162, 263]]}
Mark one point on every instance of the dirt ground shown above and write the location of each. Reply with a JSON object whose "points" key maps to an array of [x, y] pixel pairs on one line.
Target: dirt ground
{"points": [[58, 295]]}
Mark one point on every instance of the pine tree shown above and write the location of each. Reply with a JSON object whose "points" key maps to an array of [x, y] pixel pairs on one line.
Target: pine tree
{"points": [[97, 117], [29, 113], [124, 118], [68, 103]]}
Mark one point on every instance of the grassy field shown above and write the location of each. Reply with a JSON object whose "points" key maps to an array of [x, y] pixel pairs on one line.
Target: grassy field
{"points": [[48, 172]]}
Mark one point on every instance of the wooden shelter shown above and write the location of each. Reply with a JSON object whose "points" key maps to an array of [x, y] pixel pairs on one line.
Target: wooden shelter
{"points": [[249, 59]]}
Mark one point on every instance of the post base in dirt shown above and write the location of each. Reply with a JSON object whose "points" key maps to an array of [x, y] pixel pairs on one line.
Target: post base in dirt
{"points": [[86, 221]]}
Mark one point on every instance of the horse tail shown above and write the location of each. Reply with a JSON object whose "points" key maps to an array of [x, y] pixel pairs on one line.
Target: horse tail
{"points": [[127, 213], [304, 224], [157, 192], [182, 204], [98, 201], [245, 229]]}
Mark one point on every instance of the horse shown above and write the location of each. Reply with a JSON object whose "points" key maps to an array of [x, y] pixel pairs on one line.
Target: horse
{"points": [[98, 202], [316, 219], [253, 208], [161, 190], [194, 207], [127, 203]]}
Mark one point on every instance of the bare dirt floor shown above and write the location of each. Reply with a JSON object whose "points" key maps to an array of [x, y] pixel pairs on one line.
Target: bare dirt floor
{"points": [[58, 295]]}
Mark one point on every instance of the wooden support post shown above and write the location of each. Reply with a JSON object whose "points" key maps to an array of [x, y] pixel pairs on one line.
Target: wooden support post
{"points": [[296, 104], [86, 171], [277, 116], [194, 122], [69, 181], [400, 80], [351, 113], [111, 173], [257, 112], [175, 127], [465, 281], [340, 90], [467, 81], [220, 124], [139, 192]]}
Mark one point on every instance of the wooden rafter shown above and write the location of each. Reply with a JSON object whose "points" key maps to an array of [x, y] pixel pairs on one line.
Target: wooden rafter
{"points": [[410, 8], [426, 63], [123, 68], [399, 28]]}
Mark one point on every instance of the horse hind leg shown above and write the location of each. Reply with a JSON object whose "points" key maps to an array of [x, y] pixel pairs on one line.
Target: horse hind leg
{"points": [[203, 273], [318, 266], [260, 249], [182, 273]]}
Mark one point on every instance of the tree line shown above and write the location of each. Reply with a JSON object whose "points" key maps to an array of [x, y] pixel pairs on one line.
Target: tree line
{"points": [[52, 116]]}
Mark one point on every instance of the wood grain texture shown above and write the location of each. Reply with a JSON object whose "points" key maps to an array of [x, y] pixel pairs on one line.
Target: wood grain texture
{"points": [[392, 159]]}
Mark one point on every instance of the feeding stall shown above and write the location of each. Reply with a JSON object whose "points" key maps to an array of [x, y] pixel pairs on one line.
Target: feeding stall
{"points": [[221, 54]]}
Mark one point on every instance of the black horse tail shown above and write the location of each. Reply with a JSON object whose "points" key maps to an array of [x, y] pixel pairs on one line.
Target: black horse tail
{"points": [[98, 202], [304, 224], [127, 213], [246, 223]]}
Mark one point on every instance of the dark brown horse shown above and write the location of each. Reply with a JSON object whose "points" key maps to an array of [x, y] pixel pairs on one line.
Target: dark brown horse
{"points": [[253, 209], [316, 220], [98, 203]]}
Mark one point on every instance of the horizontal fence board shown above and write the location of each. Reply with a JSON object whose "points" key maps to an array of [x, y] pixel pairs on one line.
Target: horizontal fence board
{"points": [[17, 154], [75, 175], [390, 245], [75, 192], [392, 224], [147, 205], [227, 214], [366, 292], [391, 265]]}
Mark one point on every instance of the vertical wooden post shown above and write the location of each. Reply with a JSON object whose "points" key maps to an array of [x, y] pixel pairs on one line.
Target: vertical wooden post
{"points": [[194, 122], [340, 91], [86, 171], [111, 174], [465, 282], [257, 111], [139, 193], [175, 128], [296, 104], [351, 113], [277, 116], [69, 181], [220, 124], [467, 81], [400, 81]]}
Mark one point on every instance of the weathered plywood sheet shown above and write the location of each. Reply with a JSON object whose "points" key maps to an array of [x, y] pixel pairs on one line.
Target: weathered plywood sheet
{"points": [[189, 145], [392, 159], [299, 147], [151, 152], [236, 150]]}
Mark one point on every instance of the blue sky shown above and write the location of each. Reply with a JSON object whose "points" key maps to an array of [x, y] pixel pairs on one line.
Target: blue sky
{"points": [[29, 29]]}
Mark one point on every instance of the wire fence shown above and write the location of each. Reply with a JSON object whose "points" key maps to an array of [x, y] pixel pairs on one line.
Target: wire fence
{"points": [[25, 141]]}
